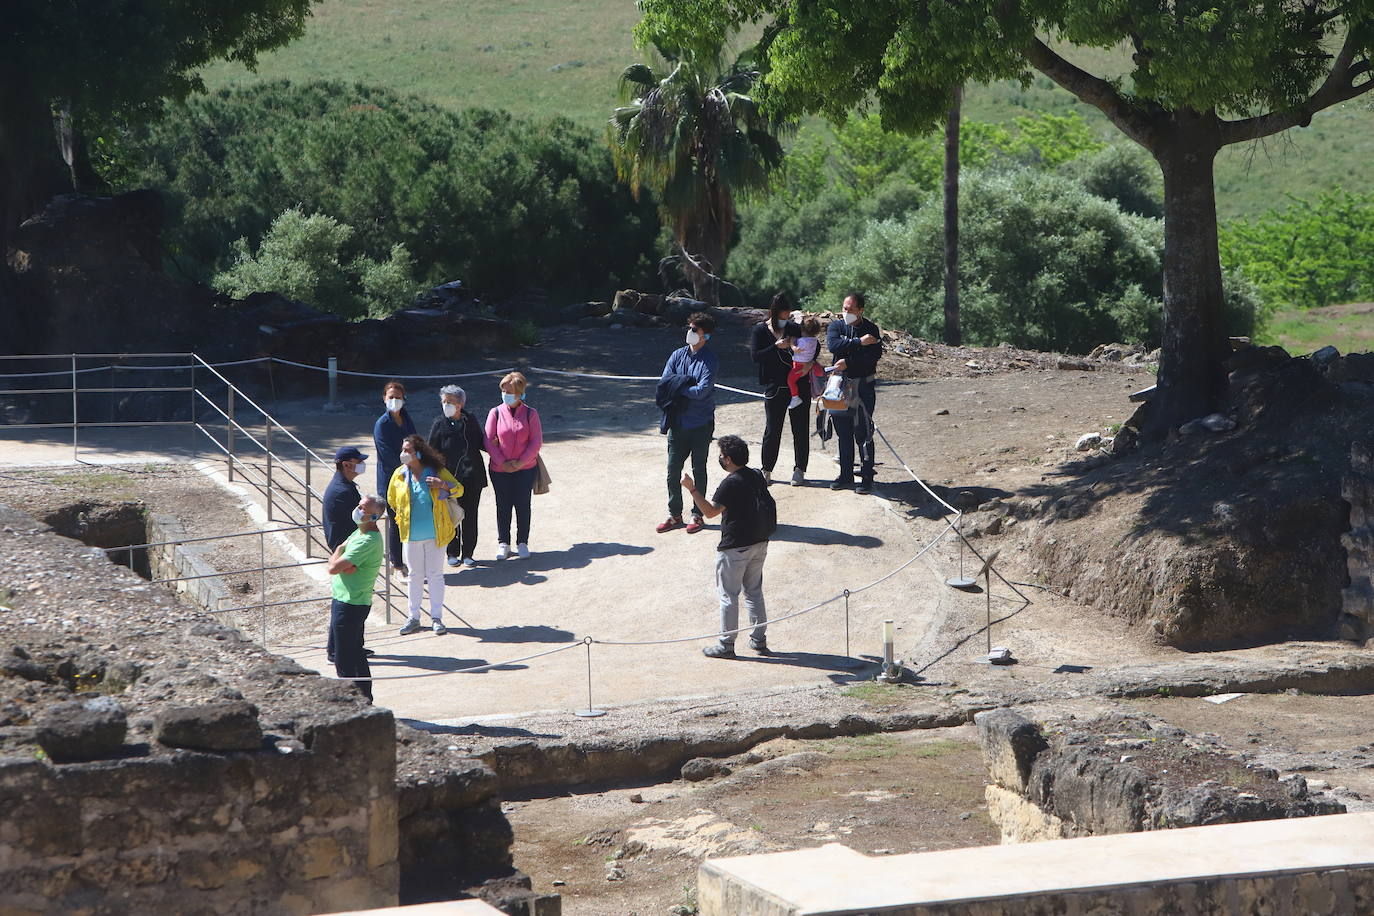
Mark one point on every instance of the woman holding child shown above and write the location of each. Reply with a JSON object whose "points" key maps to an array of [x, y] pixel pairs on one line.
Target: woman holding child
{"points": [[771, 346]]}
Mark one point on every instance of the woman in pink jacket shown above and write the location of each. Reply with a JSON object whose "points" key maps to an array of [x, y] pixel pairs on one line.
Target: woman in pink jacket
{"points": [[514, 437]]}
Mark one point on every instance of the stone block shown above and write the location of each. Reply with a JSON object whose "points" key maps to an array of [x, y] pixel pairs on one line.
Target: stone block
{"points": [[230, 725], [1019, 820], [82, 729], [1010, 745]]}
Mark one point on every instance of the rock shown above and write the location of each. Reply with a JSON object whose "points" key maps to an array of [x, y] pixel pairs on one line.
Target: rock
{"points": [[1218, 423], [1010, 745], [636, 799], [1325, 355], [699, 768], [942, 412], [615, 873], [1088, 441], [225, 726], [82, 729]]}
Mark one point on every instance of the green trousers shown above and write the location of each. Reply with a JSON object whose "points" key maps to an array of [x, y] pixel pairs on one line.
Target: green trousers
{"points": [[682, 443]]}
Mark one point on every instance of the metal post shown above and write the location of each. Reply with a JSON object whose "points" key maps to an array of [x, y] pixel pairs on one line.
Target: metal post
{"points": [[195, 441], [229, 433], [333, 383], [131, 549], [591, 712], [262, 585], [846, 623], [74, 435], [267, 436], [961, 580], [987, 590], [308, 554]]}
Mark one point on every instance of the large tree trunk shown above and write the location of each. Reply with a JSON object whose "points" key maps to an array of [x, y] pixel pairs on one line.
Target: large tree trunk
{"points": [[1192, 374], [31, 167], [953, 336]]}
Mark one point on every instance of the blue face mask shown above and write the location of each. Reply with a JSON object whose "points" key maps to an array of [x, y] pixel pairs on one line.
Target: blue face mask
{"points": [[509, 398]]}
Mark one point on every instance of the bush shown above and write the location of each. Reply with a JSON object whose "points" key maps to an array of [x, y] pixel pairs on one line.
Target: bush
{"points": [[1311, 253], [499, 202], [1043, 264]]}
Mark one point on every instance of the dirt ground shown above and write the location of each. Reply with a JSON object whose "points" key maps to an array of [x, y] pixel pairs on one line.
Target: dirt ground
{"points": [[978, 423]]}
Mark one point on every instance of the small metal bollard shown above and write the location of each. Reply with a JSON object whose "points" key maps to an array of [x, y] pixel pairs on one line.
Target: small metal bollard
{"points": [[890, 671], [591, 712]]}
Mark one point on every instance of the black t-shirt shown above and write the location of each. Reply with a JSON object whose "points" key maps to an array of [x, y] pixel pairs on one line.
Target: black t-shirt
{"points": [[739, 524]]}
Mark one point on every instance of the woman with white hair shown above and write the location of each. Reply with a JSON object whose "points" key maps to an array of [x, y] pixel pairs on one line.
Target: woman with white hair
{"points": [[458, 436]]}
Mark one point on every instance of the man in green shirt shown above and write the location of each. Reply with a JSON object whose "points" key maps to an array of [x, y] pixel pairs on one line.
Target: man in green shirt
{"points": [[353, 570]]}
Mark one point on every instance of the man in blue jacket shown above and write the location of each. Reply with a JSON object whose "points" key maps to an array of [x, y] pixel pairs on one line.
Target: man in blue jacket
{"points": [[693, 428], [856, 345]]}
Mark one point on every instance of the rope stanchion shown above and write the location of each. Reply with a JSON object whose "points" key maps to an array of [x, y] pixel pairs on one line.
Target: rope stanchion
{"points": [[591, 712]]}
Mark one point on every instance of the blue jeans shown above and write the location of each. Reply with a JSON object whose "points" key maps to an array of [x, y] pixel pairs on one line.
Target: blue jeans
{"points": [[855, 427], [513, 490], [346, 631]]}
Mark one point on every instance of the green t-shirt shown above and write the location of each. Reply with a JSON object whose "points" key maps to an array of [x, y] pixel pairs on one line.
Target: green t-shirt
{"points": [[364, 550]]}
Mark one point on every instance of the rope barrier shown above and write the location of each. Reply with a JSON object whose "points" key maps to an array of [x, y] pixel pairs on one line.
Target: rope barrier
{"points": [[287, 362], [236, 362]]}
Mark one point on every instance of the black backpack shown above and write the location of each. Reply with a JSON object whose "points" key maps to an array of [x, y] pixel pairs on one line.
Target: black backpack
{"points": [[765, 510]]}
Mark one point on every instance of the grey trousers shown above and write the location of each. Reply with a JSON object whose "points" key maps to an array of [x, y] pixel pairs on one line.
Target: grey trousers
{"points": [[736, 569]]}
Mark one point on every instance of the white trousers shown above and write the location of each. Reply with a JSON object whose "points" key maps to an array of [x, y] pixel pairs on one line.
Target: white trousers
{"points": [[426, 562]]}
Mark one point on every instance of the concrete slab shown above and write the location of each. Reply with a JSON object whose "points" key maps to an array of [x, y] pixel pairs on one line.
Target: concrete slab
{"points": [[833, 879]]}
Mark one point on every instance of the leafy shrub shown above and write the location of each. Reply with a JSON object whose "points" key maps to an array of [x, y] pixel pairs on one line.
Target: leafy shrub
{"points": [[299, 258], [497, 201], [1044, 264], [1311, 253]]}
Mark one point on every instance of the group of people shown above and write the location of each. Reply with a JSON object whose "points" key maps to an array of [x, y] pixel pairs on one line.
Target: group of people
{"points": [[786, 352], [431, 488]]}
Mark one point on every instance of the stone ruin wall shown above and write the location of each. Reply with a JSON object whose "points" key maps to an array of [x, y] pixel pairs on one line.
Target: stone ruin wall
{"points": [[1357, 599], [151, 761]]}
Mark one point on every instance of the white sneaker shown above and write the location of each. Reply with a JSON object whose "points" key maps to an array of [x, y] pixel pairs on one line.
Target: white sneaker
{"points": [[523, 550], [439, 628], [502, 551], [798, 478], [795, 402]]}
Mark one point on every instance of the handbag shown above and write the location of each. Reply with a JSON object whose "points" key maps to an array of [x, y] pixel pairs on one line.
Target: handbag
{"points": [[455, 511], [838, 394], [541, 477]]}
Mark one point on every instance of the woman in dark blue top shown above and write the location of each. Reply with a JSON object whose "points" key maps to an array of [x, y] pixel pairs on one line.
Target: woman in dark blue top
{"points": [[388, 433]]}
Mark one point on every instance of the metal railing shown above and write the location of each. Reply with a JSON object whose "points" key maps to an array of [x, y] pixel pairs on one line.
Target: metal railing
{"points": [[262, 569], [258, 450]]}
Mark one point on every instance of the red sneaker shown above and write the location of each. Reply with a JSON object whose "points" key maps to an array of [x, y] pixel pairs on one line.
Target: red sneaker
{"points": [[696, 524], [672, 522]]}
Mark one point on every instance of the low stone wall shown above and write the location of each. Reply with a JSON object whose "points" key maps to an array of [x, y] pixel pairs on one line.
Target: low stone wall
{"points": [[173, 561], [1120, 774], [1357, 598], [152, 761]]}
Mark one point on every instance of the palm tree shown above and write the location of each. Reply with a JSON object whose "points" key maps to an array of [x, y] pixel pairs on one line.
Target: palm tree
{"points": [[698, 140]]}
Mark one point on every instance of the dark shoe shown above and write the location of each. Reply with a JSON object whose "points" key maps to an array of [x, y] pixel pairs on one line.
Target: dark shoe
{"points": [[718, 651], [864, 488], [696, 524], [329, 658], [674, 521], [841, 483], [368, 652], [760, 646]]}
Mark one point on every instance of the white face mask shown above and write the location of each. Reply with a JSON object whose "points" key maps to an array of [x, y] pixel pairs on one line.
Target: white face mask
{"points": [[395, 404], [358, 516], [360, 467], [693, 338], [450, 410], [407, 458], [850, 317]]}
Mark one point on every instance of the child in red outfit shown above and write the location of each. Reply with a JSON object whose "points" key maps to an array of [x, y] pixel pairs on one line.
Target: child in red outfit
{"points": [[804, 351]]}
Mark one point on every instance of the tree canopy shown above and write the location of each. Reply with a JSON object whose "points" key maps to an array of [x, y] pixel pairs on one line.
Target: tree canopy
{"points": [[1199, 76]]}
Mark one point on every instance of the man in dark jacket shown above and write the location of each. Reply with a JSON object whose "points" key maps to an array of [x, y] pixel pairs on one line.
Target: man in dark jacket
{"points": [[857, 345], [770, 347], [340, 498]]}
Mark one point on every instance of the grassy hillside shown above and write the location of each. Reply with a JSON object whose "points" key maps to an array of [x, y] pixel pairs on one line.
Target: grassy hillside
{"points": [[547, 57]]}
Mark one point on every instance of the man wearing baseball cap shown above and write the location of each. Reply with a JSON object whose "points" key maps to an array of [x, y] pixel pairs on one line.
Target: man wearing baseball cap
{"points": [[341, 497]]}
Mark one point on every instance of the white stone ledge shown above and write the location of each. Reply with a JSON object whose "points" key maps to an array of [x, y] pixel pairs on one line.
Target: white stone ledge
{"points": [[833, 879]]}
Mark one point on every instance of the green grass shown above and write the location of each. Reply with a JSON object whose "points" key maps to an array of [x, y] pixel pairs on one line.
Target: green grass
{"points": [[878, 694], [539, 58], [1349, 329]]}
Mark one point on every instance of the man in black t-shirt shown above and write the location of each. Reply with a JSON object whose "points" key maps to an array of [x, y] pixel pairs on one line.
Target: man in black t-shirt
{"points": [[743, 546]]}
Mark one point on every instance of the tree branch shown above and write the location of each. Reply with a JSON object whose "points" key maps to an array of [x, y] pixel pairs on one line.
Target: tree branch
{"points": [[1093, 90], [1339, 86]]}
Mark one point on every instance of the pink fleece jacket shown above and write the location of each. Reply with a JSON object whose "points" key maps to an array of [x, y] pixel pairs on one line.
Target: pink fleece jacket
{"points": [[513, 435]]}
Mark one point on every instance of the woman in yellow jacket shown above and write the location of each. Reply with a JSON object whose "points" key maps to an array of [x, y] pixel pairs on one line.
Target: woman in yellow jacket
{"points": [[416, 494]]}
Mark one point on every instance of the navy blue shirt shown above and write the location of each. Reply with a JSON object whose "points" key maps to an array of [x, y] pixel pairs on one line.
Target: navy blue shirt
{"points": [[340, 498], [700, 407], [386, 439], [842, 340]]}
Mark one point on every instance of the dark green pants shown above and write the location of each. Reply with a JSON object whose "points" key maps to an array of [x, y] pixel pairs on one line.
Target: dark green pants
{"points": [[682, 443]]}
